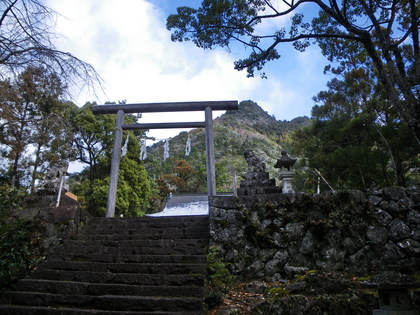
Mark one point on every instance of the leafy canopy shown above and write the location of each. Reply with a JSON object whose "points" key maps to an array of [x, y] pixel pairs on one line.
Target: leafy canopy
{"points": [[93, 140], [34, 124], [355, 141], [383, 33]]}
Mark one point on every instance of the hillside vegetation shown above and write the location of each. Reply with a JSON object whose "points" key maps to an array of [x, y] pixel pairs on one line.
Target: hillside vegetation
{"points": [[249, 128]]}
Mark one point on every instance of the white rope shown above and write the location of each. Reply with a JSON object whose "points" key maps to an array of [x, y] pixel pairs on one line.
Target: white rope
{"points": [[166, 150], [124, 148], [188, 146], [143, 150]]}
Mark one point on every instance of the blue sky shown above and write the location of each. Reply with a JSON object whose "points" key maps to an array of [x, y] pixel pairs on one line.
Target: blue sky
{"points": [[128, 44]]}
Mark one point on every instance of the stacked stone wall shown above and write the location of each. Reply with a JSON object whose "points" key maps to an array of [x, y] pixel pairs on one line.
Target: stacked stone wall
{"points": [[58, 222], [273, 236]]}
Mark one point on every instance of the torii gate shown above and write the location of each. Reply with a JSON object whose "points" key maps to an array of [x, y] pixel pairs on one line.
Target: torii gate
{"points": [[121, 109]]}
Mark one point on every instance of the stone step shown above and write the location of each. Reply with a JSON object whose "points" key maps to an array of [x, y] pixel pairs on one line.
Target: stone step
{"points": [[120, 278], [161, 234], [47, 310], [179, 218], [111, 223], [106, 302], [156, 243], [146, 230], [176, 259], [125, 251], [85, 288], [121, 266], [148, 219], [125, 267]]}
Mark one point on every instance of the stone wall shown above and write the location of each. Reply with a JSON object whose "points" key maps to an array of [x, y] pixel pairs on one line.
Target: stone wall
{"points": [[58, 222], [273, 236]]}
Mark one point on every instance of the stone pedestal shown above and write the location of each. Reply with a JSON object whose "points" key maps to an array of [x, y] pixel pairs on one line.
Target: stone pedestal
{"points": [[286, 181]]}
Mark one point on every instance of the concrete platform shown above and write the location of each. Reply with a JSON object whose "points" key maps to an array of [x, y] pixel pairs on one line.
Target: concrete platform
{"points": [[185, 204]]}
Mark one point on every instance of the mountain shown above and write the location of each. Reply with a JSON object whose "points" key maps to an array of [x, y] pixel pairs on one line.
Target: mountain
{"points": [[248, 128], [255, 120]]}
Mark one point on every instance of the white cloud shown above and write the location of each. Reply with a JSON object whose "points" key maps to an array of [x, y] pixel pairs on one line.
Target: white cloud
{"points": [[282, 102], [131, 49], [128, 44]]}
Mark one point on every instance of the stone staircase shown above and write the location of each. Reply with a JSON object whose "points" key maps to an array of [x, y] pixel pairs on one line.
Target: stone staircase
{"points": [[149, 265]]}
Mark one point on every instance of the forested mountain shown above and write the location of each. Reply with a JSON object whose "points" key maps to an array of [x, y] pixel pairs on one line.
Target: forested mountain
{"points": [[249, 128], [253, 117]]}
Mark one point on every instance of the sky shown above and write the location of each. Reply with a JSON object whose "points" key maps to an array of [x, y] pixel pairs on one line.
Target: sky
{"points": [[129, 46]]}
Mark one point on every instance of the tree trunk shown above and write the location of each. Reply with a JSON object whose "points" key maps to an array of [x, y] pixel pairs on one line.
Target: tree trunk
{"points": [[14, 181], [412, 118], [35, 172]]}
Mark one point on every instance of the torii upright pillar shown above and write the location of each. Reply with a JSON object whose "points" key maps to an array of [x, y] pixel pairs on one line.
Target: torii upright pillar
{"points": [[211, 169], [115, 166]]}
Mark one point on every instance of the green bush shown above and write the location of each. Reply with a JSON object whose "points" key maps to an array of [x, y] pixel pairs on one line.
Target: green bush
{"points": [[19, 239], [219, 278], [10, 199]]}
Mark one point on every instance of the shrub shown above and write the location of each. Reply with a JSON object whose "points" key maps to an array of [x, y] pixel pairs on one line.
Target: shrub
{"points": [[219, 278], [19, 239]]}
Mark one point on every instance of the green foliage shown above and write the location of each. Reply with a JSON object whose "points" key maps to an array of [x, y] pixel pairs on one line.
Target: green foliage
{"points": [[39, 128], [219, 277], [319, 293], [18, 254], [363, 278], [35, 122], [250, 127], [10, 199], [355, 141], [133, 192], [276, 291], [94, 142], [18, 239], [347, 33], [93, 195], [416, 276], [303, 276], [223, 180], [93, 137], [134, 188]]}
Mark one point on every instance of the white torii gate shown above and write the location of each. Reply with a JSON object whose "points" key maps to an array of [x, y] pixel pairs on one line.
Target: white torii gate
{"points": [[120, 110]]}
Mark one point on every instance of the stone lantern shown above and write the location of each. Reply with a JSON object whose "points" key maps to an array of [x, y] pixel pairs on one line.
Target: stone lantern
{"points": [[285, 164]]}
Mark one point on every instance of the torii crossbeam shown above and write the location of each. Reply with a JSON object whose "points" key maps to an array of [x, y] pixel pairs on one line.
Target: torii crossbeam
{"points": [[208, 107]]}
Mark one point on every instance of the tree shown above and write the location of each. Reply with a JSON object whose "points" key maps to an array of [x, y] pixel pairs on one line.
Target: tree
{"points": [[354, 141], [180, 180], [223, 178], [93, 137], [133, 192], [33, 121], [386, 33], [15, 131], [93, 140], [52, 136], [27, 40]]}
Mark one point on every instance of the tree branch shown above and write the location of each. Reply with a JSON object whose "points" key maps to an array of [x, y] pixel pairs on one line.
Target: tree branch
{"points": [[268, 3], [269, 16], [6, 12]]}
